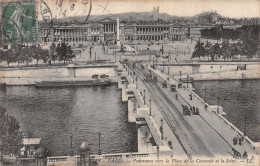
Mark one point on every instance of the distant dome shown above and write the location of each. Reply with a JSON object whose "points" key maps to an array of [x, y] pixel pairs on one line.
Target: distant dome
{"points": [[83, 146]]}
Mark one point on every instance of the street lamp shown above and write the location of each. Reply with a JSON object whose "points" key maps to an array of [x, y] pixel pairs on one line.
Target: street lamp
{"points": [[150, 106], [157, 148], [218, 105], [90, 52], [187, 81], [163, 66], [161, 128], [205, 89], [99, 150], [144, 96], [180, 75], [136, 82], [71, 150], [168, 69]]}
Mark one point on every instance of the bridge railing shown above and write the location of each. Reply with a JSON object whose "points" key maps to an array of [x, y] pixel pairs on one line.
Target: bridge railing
{"points": [[229, 124]]}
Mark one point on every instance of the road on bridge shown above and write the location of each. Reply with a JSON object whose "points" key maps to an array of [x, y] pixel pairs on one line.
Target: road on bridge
{"points": [[193, 133]]}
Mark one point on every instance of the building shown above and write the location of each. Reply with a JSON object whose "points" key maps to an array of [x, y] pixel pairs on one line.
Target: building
{"points": [[194, 31], [105, 32]]}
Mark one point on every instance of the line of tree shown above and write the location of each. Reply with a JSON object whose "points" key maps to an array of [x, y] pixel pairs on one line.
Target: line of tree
{"points": [[26, 54], [225, 50], [243, 32]]}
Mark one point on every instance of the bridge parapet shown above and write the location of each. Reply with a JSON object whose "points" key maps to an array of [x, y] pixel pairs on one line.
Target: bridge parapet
{"points": [[212, 115]]}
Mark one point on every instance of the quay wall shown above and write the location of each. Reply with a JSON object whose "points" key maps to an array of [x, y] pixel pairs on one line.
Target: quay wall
{"points": [[215, 71], [32, 75]]}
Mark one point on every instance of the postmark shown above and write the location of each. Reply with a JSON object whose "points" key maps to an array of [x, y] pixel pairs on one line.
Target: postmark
{"points": [[19, 23]]}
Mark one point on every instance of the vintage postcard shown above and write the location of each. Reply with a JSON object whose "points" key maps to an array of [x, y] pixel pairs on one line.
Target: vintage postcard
{"points": [[129, 82]]}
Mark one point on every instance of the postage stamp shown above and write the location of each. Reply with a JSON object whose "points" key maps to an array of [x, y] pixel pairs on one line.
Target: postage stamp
{"points": [[19, 23]]}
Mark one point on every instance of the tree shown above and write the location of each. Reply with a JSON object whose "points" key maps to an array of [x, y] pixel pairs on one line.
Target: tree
{"points": [[225, 50], [9, 56], [208, 50], [45, 56], [35, 53], [64, 52], [199, 50], [216, 51], [10, 136], [52, 53], [26, 55]]}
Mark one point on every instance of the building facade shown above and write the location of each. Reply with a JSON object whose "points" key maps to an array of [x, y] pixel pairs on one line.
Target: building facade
{"points": [[105, 32]]}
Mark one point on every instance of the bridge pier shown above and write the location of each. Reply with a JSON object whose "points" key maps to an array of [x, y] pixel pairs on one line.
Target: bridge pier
{"points": [[132, 106]]}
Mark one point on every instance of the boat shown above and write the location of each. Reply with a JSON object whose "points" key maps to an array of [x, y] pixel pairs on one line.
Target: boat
{"points": [[67, 83]]}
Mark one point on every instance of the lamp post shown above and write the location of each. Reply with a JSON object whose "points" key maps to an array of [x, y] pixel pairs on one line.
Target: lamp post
{"points": [[180, 75], [161, 128], [245, 127], [71, 150], [150, 106], [136, 82], [163, 66], [144, 96], [1, 151], [187, 81], [168, 69], [90, 52], [153, 62], [218, 105], [99, 137], [157, 148]]}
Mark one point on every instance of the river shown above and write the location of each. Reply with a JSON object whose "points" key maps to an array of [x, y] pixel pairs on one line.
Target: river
{"points": [[239, 99], [54, 113]]}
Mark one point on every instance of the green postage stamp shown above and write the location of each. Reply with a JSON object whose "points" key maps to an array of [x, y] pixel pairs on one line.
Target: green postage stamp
{"points": [[19, 23]]}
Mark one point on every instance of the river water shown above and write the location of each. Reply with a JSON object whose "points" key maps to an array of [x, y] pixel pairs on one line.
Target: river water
{"points": [[239, 99], [53, 114]]}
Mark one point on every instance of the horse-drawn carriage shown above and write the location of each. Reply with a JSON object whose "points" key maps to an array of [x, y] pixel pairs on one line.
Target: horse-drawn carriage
{"points": [[173, 88], [185, 110], [154, 78], [164, 84], [179, 85], [148, 76]]}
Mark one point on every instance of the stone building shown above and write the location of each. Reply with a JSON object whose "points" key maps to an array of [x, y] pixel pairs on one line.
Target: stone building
{"points": [[105, 32]]}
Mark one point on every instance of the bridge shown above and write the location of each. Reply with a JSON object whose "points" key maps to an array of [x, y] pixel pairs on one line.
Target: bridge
{"points": [[164, 130]]}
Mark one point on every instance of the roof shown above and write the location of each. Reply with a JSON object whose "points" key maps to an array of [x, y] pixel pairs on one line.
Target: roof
{"points": [[31, 141]]}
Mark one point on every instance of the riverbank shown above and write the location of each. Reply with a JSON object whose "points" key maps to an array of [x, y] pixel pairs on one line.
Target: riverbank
{"points": [[227, 75], [215, 71], [28, 76]]}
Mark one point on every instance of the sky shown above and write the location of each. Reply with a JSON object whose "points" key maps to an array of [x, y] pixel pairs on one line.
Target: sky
{"points": [[227, 8]]}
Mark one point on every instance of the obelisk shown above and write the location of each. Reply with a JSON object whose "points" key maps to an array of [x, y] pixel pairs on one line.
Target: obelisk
{"points": [[117, 32]]}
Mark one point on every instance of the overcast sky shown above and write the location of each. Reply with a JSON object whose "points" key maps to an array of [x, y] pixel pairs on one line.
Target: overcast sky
{"points": [[228, 8], [231, 8]]}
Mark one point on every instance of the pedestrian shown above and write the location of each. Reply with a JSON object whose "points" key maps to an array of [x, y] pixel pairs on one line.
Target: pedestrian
{"points": [[191, 110], [190, 96], [197, 111], [245, 155], [234, 141], [206, 106]]}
